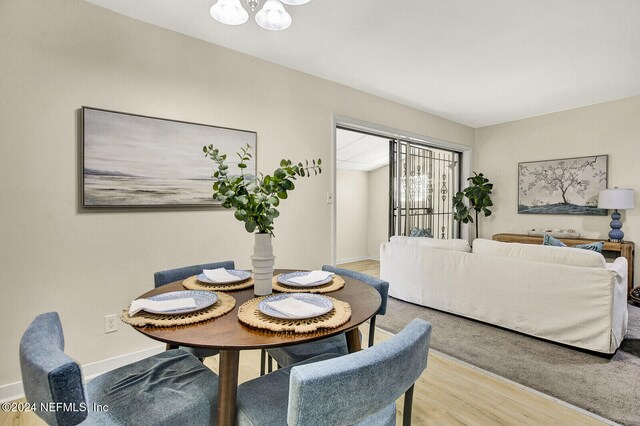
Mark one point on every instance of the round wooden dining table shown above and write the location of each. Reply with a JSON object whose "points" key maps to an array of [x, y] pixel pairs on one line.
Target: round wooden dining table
{"points": [[228, 335]]}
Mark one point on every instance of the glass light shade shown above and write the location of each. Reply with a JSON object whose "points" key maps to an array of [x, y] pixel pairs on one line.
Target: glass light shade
{"points": [[620, 199], [295, 2], [229, 12], [273, 17]]}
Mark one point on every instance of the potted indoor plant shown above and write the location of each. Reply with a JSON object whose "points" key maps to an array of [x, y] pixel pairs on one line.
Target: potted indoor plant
{"points": [[479, 195], [254, 199]]}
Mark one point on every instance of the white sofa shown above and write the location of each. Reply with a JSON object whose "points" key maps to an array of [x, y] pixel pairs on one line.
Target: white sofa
{"points": [[566, 295]]}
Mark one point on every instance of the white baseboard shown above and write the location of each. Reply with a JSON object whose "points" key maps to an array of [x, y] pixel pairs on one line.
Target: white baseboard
{"points": [[353, 259], [13, 391]]}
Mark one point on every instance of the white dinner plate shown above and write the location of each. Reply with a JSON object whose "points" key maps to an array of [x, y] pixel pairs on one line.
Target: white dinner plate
{"points": [[203, 300], [240, 276], [315, 299], [284, 279]]}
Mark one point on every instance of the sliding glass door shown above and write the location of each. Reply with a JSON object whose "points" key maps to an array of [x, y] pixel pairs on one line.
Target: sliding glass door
{"points": [[422, 183]]}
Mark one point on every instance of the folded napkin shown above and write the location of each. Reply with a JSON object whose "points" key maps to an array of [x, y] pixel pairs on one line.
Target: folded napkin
{"points": [[295, 308], [219, 275], [161, 305], [311, 277]]}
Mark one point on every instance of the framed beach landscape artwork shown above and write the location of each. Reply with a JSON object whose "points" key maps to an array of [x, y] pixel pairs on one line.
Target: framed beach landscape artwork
{"points": [[564, 186], [132, 160]]}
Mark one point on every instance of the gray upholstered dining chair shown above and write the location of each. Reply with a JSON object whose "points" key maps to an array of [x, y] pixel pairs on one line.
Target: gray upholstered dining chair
{"points": [[336, 344], [356, 389], [166, 389], [170, 275]]}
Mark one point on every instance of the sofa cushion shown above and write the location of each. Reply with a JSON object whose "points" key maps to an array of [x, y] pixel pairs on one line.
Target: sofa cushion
{"points": [[539, 253], [453, 244]]}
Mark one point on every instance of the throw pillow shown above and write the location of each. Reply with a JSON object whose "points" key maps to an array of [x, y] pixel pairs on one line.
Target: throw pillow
{"points": [[552, 241], [417, 232], [597, 247]]}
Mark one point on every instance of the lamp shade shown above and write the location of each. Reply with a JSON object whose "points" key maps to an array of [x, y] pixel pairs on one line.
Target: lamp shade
{"points": [[620, 199], [273, 16], [229, 12]]}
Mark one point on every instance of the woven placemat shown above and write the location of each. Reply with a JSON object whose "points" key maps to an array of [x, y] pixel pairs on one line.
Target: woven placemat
{"points": [[249, 314], [223, 305], [335, 284], [192, 283]]}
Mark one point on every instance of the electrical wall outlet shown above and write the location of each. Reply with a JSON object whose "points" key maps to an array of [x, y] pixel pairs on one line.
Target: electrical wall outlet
{"points": [[329, 198], [110, 323]]}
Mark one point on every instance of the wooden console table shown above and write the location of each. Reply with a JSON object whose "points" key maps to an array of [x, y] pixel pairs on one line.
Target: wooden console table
{"points": [[624, 249]]}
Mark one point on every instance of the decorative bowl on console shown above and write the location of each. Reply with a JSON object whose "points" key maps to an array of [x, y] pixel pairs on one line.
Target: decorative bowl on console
{"points": [[554, 232]]}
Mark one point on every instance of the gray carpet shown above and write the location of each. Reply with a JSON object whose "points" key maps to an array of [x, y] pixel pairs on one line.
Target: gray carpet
{"points": [[606, 385]]}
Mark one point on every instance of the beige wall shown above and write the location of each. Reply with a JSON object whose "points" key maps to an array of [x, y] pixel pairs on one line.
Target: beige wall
{"points": [[87, 263], [378, 210], [352, 215], [362, 213], [611, 128]]}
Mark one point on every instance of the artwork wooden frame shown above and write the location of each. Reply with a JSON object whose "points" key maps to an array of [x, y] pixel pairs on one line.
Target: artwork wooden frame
{"points": [[132, 160], [565, 186]]}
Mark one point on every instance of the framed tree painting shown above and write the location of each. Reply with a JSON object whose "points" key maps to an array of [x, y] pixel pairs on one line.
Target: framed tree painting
{"points": [[133, 160], [564, 186]]}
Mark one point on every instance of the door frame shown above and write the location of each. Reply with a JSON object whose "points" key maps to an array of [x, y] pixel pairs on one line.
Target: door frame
{"points": [[388, 132]]}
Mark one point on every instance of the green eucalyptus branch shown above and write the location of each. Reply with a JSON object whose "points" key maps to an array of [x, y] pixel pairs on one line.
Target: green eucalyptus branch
{"points": [[255, 198]]}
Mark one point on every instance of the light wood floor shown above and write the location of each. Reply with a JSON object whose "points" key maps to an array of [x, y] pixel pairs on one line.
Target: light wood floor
{"points": [[369, 267], [448, 392]]}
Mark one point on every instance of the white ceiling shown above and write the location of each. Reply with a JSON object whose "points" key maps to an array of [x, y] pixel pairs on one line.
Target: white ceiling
{"points": [[358, 151], [476, 62]]}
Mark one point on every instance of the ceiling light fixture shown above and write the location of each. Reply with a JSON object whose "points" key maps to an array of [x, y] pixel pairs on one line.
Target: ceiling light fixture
{"points": [[229, 12], [272, 16]]}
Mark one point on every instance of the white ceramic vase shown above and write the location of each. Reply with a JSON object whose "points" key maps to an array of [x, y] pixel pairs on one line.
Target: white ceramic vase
{"points": [[262, 261]]}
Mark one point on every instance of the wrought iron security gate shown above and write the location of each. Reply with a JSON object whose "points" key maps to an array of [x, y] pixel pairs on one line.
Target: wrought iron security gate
{"points": [[420, 195]]}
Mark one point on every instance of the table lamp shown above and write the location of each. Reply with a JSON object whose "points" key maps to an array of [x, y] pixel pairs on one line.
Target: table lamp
{"points": [[616, 199]]}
